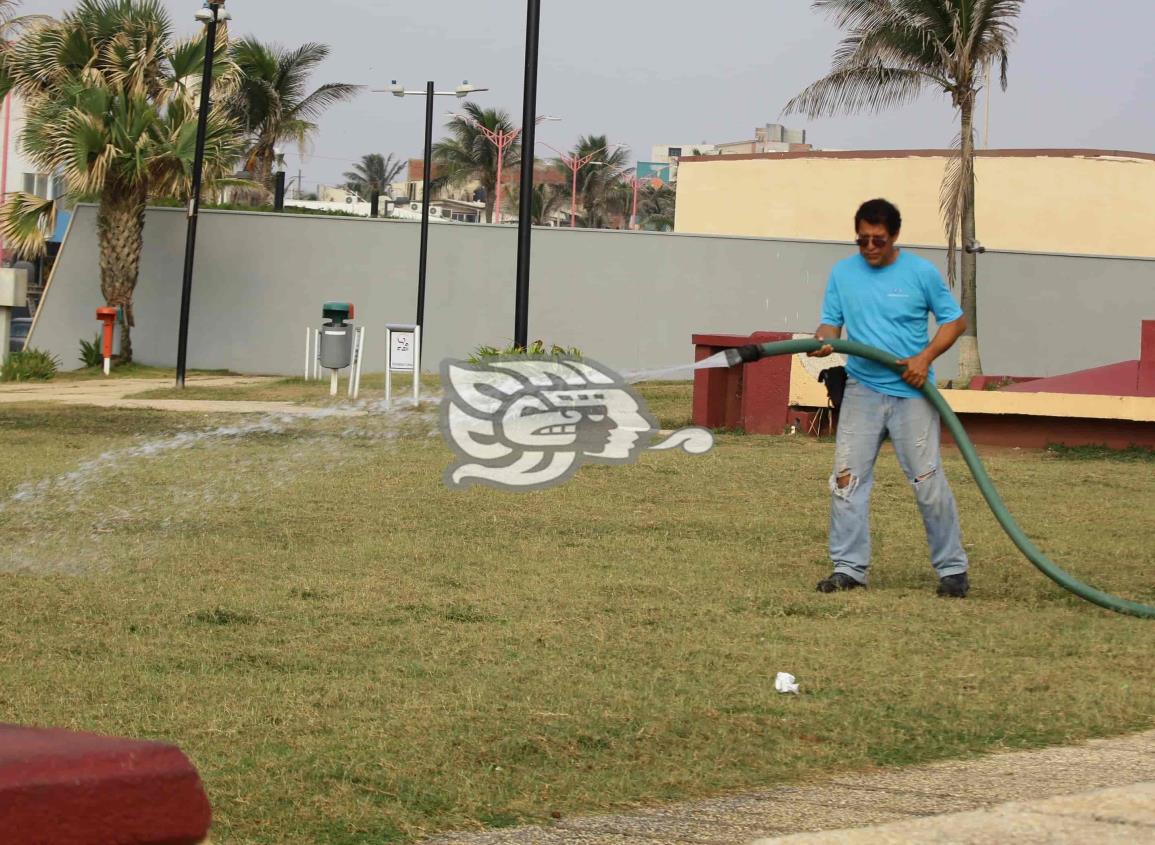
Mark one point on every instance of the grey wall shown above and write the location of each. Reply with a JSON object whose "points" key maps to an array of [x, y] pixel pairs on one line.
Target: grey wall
{"points": [[630, 300]]}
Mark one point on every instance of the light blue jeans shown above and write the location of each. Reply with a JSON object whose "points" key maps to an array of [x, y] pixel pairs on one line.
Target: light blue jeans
{"points": [[865, 420]]}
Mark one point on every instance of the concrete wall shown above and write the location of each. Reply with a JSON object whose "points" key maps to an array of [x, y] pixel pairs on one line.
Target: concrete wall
{"points": [[629, 299], [1096, 204]]}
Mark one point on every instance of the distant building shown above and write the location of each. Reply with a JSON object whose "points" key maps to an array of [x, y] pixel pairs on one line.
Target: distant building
{"points": [[440, 211], [414, 182], [771, 138], [331, 194], [668, 155], [19, 174], [460, 199], [457, 211], [1098, 202]]}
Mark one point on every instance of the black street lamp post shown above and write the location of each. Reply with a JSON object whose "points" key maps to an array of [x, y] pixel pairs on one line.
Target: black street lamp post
{"points": [[279, 180], [525, 204], [397, 90], [211, 15], [279, 191]]}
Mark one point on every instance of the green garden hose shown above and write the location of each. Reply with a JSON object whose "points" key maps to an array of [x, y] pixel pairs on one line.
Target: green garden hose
{"points": [[997, 506]]}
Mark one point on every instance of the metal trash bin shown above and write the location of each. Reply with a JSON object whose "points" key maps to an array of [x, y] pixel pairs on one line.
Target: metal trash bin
{"points": [[337, 335]]}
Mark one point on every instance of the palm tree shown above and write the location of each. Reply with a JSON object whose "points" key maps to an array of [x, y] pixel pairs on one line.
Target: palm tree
{"points": [[467, 153], [373, 173], [547, 199], [656, 208], [111, 105], [12, 24], [893, 51], [271, 104], [596, 181]]}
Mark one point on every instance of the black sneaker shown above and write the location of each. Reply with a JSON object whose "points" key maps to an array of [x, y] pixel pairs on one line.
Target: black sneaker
{"points": [[837, 582], [954, 586]]}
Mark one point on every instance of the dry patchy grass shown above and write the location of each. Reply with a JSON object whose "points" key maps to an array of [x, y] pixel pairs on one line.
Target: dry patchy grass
{"points": [[136, 371], [352, 653]]}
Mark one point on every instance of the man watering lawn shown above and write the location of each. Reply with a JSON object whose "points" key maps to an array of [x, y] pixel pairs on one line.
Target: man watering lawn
{"points": [[883, 297]]}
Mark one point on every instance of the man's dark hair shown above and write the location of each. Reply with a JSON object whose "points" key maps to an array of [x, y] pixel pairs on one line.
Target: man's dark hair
{"points": [[879, 213]]}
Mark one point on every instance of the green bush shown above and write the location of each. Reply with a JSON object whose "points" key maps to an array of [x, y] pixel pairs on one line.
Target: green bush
{"points": [[90, 353], [536, 350], [29, 365]]}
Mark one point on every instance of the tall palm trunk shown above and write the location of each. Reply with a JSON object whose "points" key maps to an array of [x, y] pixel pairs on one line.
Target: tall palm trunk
{"points": [[263, 172], [120, 223], [490, 200], [969, 364], [260, 168]]}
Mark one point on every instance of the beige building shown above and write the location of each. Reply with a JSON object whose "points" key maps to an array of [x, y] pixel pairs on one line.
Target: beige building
{"points": [[1094, 202], [771, 138]]}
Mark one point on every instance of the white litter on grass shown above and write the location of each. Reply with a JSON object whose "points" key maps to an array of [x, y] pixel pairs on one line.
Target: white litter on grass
{"points": [[784, 682]]}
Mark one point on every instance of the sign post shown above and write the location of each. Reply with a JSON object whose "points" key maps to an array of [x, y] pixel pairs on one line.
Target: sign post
{"points": [[402, 352]]}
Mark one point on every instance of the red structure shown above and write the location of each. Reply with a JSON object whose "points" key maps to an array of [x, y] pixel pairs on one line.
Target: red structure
{"points": [[754, 398], [1025, 431], [63, 788], [1127, 378], [1145, 382]]}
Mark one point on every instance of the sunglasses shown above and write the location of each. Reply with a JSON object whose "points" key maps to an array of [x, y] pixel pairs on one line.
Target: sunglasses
{"points": [[878, 241]]}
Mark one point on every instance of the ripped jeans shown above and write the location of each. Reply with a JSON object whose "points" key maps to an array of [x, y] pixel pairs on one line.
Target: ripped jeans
{"points": [[866, 418]]}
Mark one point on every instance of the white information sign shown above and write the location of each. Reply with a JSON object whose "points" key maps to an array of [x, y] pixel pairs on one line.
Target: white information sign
{"points": [[401, 353]]}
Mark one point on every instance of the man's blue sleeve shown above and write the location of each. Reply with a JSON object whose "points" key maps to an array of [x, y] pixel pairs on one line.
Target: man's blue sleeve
{"points": [[938, 297], [832, 305]]}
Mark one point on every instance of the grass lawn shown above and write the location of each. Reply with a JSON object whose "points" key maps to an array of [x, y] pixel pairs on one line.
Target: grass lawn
{"points": [[293, 390], [132, 371], [351, 653], [669, 401]]}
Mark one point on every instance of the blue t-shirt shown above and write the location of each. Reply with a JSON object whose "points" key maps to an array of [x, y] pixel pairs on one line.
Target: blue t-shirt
{"points": [[887, 308]]}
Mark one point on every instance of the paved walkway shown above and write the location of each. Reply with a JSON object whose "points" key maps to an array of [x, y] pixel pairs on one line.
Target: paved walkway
{"points": [[118, 393], [1100, 792]]}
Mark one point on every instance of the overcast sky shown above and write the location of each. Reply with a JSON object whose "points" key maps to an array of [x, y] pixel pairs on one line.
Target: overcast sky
{"points": [[1081, 74]]}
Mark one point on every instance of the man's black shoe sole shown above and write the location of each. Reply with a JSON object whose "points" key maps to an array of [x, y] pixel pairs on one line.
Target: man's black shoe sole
{"points": [[829, 585], [954, 589]]}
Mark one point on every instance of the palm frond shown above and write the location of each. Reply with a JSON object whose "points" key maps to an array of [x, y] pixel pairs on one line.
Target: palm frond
{"points": [[314, 105], [866, 88], [25, 220], [950, 208], [269, 98]]}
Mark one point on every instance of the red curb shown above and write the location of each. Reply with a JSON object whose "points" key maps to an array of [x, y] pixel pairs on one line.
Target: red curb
{"points": [[58, 787]]}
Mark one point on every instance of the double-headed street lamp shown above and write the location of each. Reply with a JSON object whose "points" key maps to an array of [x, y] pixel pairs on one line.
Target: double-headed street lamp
{"points": [[212, 15], [397, 90], [502, 140], [576, 163]]}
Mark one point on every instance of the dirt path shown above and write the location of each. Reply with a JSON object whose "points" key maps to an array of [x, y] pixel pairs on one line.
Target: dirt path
{"points": [[118, 393]]}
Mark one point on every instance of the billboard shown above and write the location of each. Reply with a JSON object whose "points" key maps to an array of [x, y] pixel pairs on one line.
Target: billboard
{"points": [[655, 170]]}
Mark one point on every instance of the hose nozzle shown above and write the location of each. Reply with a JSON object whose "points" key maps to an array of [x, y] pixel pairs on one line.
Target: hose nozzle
{"points": [[743, 354]]}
